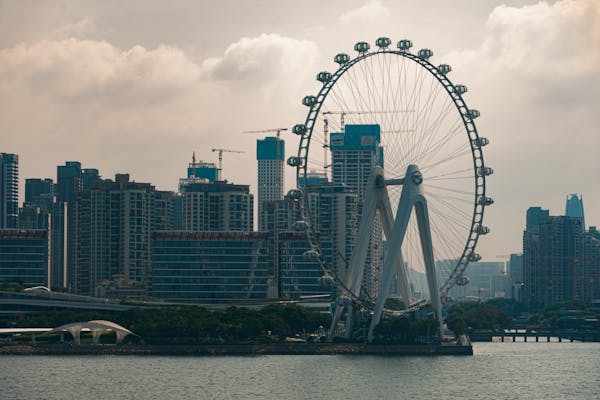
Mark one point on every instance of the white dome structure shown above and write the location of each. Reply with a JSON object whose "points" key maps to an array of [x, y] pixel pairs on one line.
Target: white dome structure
{"points": [[97, 327]]}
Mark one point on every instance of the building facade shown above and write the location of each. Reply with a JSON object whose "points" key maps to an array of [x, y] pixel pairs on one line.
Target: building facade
{"points": [[39, 200], [270, 153], [217, 207], [68, 186], [115, 221], [9, 191], [23, 258], [552, 261], [211, 267]]}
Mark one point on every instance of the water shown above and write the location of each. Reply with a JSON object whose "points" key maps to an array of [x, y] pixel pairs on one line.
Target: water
{"points": [[496, 371]]}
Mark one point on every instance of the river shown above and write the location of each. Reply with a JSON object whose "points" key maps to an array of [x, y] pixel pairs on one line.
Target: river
{"points": [[496, 371]]}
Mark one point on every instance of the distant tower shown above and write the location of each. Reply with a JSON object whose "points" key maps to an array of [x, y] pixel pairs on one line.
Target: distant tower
{"points": [[270, 153], [574, 207], [9, 190]]}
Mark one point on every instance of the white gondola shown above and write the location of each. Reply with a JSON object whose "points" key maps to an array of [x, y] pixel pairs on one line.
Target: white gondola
{"points": [[461, 89], [486, 201], [484, 171], [324, 76], [362, 47], [474, 257], [383, 42], [341, 58], [425, 54], [295, 194], [299, 129], [445, 69], [404, 45], [295, 161], [309, 101]]}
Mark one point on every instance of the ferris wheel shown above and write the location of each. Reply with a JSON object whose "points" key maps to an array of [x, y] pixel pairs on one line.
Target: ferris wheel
{"points": [[390, 126]]}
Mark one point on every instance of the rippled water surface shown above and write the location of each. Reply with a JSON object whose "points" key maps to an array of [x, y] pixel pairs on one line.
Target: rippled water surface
{"points": [[496, 371]]}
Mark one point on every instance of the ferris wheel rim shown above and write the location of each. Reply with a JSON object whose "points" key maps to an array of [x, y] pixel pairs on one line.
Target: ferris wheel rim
{"points": [[479, 168]]}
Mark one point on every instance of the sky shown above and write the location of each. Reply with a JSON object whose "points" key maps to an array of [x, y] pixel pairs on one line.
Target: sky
{"points": [[134, 87]]}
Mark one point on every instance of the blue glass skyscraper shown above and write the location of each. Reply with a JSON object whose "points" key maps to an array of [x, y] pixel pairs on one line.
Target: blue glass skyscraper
{"points": [[574, 207]]}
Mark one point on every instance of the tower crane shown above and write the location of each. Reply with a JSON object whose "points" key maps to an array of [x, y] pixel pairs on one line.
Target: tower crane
{"points": [[221, 151], [343, 114], [277, 134]]}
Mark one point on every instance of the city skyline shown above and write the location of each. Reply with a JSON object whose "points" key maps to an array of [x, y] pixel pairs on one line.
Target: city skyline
{"points": [[104, 112]]}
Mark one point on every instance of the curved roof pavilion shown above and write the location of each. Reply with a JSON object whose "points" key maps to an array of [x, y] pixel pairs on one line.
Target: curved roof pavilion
{"points": [[97, 327]]}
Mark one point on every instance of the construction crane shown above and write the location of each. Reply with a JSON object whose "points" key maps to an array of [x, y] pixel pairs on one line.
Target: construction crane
{"points": [[277, 134], [277, 130], [221, 151], [343, 114]]}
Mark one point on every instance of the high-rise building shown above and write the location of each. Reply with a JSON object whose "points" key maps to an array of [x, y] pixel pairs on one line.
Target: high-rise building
{"points": [[203, 170], [354, 153], [115, 221], [277, 218], [38, 190], [535, 215], [335, 219], [515, 273], [62, 223], [591, 261], [39, 200], [574, 207], [217, 206], [553, 270], [89, 177], [270, 153], [9, 190]]}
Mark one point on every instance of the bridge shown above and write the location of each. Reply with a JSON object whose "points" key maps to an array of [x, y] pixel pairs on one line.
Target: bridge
{"points": [[538, 335], [21, 303]]}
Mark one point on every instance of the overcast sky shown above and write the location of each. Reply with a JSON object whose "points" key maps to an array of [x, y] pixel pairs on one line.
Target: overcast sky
{"points": [[136, 86]]}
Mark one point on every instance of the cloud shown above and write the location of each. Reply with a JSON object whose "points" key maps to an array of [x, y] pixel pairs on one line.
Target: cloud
{"points": [[264, 58], [373, 10], [143, 110], [73, 69], [536, 79], [542, 43]]}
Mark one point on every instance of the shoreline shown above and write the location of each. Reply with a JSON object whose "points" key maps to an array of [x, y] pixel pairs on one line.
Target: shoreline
{"points": [[239, 349]]}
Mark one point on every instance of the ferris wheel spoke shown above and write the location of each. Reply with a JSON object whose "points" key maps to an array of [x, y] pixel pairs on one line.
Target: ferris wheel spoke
{"points": [[432, 129], [448, 204], [450, 173], [424, 116], [438, 146], [455, 154], [446, 249]]}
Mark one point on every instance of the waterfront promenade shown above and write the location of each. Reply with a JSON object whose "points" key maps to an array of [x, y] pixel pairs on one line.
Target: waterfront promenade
{"points": [[238, 349]]}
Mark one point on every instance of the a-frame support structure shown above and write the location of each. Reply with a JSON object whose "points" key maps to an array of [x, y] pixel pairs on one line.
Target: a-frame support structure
{"points": [[377, 199]]}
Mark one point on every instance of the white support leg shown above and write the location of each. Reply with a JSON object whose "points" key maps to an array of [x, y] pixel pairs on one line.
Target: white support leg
{"points": [[385, 210], [427, 247], [407, 200], [356, 270]]}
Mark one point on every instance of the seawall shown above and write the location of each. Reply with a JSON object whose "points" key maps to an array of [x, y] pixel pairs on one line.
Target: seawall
{"points": [[239, 349]]}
